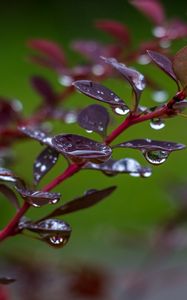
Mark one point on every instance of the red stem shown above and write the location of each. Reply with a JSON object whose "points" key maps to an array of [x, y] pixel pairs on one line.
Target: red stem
{"points": [[73, 168]]}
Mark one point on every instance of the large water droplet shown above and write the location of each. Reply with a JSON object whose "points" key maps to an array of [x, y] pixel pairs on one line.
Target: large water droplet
{"points": [[157, 124], [156, 157], [160, 96], [146, 173], [70, 118], [89, 131], [121, 111]]}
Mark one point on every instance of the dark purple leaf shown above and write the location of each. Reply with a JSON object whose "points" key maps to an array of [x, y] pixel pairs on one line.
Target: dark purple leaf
{"points": [[164, 63], [180, 66], [147, 144], [43, 87], [88, 199], [52, 231], [10, 195], [152, 9], [94, 118], [135, 79], [125, 165], [9, 112], [49, 49], [101, 93], [6, 280], [116, 29], [44, 162], [39, 198], [156, 152], [36, 134], [79, 148]]}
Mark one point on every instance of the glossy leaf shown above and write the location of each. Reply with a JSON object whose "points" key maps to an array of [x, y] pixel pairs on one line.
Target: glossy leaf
{"points": [[163, 62], [91, 49], [43, 87], [9, 112], [147, 144], [135, 79], [44, 162], [94, 118], [36, 134], [50, 49], [79, 148], [99, 92], [180, 66], [155, 152], [88, 199], [10, 195], [7, 175], [6, 280], [152, 9], [39, 198], [115, 29], [125, 165], [54, 232]]}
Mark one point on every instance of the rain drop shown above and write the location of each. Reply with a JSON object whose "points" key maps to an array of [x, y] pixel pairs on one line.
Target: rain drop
{"points": [[143, 59], [56, 240], [146, 173], [89, 131], [160, 96], [121, 111], [70, 118], [54, 201], [98, 70], [156, 157], [157, 124], [66, 80], [159, 31]]}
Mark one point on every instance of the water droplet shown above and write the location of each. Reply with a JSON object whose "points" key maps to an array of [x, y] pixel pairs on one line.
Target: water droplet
{"points": [[156, 157], [56, 240], [89, 131], [70, 118], [159, 31], [146, 173], [165, 44], [17, 105], [66, 80], [54, 201], [134, 174], [143, 59], [43, 168], [121, 111], [98, 70], [157, 124], [160, 96]]}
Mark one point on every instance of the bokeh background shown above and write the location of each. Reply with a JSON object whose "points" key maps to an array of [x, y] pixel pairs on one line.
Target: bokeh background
{"points": [[112, 234]]}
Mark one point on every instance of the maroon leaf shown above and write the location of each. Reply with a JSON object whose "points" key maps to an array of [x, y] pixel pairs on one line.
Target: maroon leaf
{"points": [[94, 118], [44, 162], [9, 112], [91, 49], [43, 87], [52, 231], [88, 199], [36, 134], [135, 79], [10, 195], [116, 29], [39, 198], [164, 63], [101, 93], [152, 9], [156, 152], [125, 165], [79, 148], [180, 66], [6, 280], [50, 49]]}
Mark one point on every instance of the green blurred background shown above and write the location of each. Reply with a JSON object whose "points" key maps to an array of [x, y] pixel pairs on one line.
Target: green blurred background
{"points": [[138, 205]]}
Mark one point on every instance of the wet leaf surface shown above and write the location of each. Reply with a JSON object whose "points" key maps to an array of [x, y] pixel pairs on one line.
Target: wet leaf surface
{"points": [[180, 66], [79, 148], [94, 118], [36, 134], [10, 195], [44, 162], [89, 199]]}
